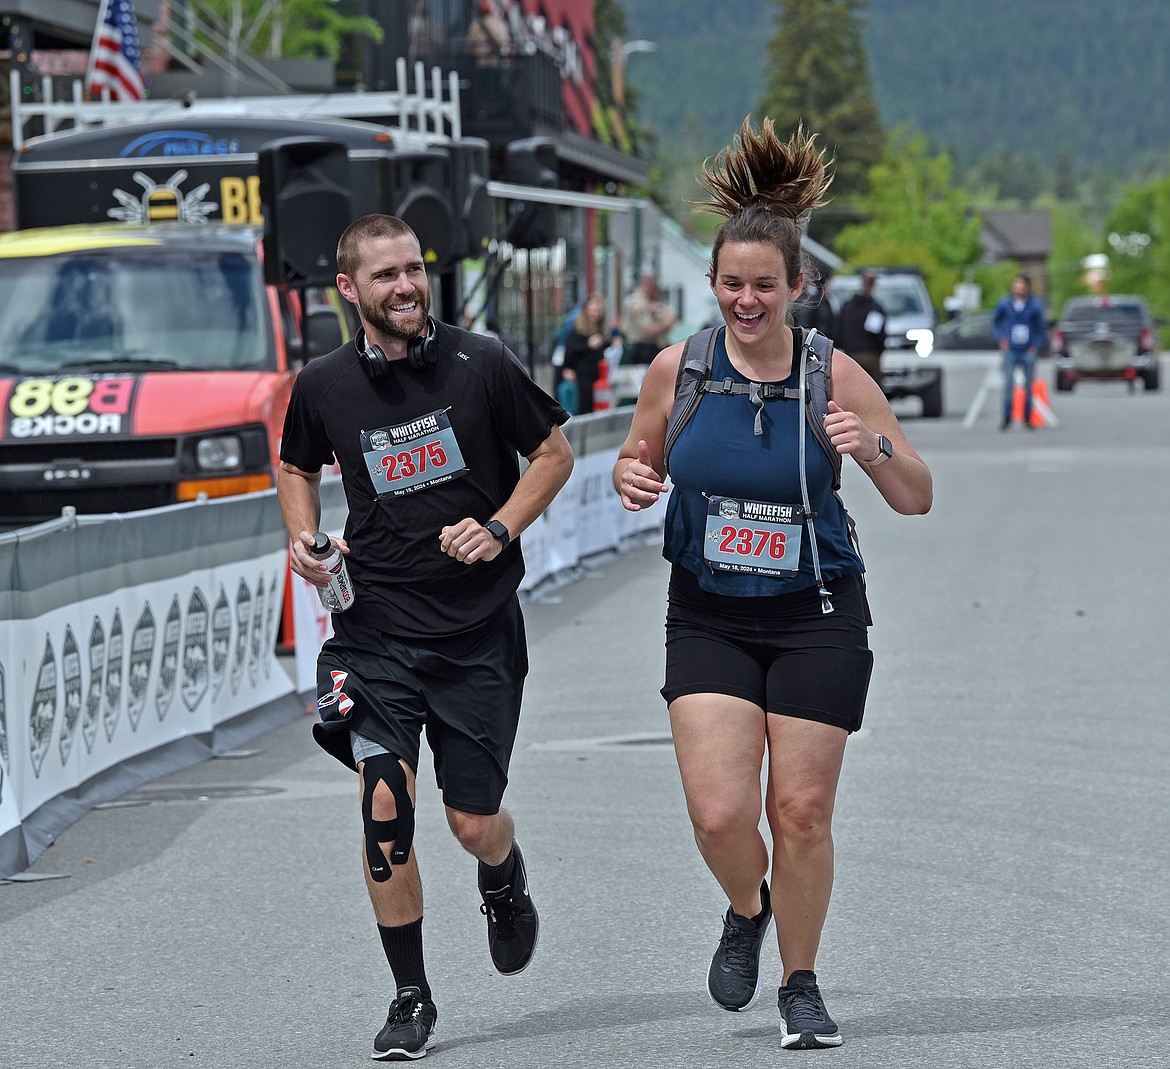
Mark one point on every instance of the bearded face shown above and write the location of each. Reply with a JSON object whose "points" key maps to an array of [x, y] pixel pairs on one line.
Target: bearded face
{"points": [[396, 317]]}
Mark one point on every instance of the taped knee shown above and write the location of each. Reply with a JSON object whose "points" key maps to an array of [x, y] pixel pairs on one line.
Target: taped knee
{"points": [[384, 768]]}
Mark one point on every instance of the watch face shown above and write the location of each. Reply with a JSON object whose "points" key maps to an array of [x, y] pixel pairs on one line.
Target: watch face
{"points": [[885, 445]]}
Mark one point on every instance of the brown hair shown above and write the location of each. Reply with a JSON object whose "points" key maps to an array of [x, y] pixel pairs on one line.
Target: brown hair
{"points": [[766, 189], [584, 323], [367, 228]]}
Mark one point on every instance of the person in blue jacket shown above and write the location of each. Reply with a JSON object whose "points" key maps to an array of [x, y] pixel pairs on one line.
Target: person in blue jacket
{"points": [[1019, 327]]}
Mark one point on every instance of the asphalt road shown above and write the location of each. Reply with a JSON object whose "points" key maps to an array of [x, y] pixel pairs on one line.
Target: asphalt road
{"points": [[1002, 895]]}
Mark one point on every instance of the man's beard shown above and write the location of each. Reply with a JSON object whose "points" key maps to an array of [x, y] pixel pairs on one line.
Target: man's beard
{"points": [[397, 326]]}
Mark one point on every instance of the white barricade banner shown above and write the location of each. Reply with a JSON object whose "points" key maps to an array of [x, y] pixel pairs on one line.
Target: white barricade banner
{"points": [[9, 602], [598, 507], [130, 633]]}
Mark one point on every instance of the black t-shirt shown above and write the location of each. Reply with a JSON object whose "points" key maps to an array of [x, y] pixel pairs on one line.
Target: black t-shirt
{"points": [[420, 449]]}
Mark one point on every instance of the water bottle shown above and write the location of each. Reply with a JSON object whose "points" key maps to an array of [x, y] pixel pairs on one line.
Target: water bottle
{"points": [[338, 595]]}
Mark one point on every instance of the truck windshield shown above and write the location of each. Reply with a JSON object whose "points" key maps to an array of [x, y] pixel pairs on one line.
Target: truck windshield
{"points": [[896, 297], [135, 308]]}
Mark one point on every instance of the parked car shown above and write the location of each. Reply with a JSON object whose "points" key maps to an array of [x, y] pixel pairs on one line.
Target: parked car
{"points": [[970, 330], [1107, 337], [974, 331], [910, 321]]}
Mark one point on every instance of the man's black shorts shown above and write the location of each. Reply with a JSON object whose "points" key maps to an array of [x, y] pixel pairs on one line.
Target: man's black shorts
{"points": [[781, 653], [465, 690]]}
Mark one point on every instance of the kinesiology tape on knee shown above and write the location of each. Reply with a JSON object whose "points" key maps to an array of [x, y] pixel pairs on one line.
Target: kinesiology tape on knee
{"points": [[384, 768]]}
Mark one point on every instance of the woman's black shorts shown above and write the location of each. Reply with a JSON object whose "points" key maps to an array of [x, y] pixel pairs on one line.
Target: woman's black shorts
{"points": [[781, 653], [464, 690]]}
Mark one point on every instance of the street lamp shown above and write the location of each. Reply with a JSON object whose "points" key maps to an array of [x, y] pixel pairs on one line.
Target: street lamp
{"points": [[638, 46], [622, 49]]}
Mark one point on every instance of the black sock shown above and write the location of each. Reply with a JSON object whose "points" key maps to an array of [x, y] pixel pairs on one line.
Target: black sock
{"points": [[497, 877], [404, 952]]}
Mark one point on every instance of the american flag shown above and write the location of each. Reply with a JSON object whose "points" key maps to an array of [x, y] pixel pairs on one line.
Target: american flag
{"points": [[115, 62]]}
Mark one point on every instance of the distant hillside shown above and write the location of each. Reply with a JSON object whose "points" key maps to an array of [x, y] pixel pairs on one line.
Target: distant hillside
{"points": [[1042, 78]]}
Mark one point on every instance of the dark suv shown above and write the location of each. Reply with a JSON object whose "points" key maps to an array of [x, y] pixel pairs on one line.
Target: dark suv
{"points": [[1111, 337]]}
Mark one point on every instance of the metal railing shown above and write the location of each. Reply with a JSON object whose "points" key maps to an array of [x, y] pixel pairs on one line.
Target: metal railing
{"points": [[429, 113]]}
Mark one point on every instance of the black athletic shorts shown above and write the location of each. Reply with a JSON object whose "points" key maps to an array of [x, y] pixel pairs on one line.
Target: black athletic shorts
{"points": [[465, 690], [781, 653]]}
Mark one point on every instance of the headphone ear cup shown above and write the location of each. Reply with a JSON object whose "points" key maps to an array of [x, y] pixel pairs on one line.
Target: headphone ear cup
{"points": [[421, 351], [373, 361]]}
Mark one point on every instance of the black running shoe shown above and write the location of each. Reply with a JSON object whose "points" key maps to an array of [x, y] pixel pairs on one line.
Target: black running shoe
{"points": [[410, 1028], [805, 1024], [733, 980], [512, 921]]}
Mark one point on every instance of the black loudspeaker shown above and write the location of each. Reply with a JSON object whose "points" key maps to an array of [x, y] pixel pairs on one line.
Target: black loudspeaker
{"points": [[421, 353], [304, 189], [416, 186], [532, 162], [469, 196]]}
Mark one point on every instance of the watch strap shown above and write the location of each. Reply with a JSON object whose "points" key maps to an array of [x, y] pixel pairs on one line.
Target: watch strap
{"points": [[499, 532], [885, 451]]}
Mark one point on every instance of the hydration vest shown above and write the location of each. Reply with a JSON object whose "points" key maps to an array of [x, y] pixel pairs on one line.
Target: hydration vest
{"points": [[694, 380], [816, 363]]}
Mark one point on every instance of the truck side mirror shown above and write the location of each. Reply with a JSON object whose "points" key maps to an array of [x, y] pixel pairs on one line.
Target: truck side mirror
{"points": [[322, 328]]}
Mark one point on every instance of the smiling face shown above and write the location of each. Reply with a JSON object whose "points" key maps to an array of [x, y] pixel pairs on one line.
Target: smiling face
{"points": [[751, 285], [390, 287]]}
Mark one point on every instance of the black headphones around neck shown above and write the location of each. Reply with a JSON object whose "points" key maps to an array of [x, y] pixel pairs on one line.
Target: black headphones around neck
{"points": [[421, 352]]}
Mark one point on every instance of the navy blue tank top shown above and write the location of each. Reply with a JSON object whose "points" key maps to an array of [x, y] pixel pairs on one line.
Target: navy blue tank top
{"points": [[718, 453]]}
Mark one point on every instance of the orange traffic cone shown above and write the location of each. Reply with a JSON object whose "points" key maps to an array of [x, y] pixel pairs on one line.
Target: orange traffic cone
{"points": [[602, 388], [1041, 409]]}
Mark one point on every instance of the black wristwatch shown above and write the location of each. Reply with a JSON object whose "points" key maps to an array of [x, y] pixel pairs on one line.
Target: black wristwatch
{"points": [[500, 532], [885, 451]]}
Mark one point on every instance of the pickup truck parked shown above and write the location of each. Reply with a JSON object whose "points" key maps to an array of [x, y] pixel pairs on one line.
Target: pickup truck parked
{"points": [[1107, 337]]}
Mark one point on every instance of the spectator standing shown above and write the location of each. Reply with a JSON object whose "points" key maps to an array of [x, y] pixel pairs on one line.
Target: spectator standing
{"points": [[861, 327], [425, 421], [1019, 324], [426, 39], [487, 40], [646, 321], [585, 348]]}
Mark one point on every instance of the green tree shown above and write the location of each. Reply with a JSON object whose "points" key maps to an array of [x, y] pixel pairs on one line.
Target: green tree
{"points": [[1137, 239], [1072, 240], [817, 73], [915, 215], [293, 29]]}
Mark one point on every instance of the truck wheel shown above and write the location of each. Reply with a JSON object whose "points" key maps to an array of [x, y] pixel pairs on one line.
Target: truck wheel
{"points": [[1152, 379], [1064, 383], [932, 400]]}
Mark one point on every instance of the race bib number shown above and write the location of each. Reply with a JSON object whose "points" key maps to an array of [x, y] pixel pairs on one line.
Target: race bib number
{"points": [[756, 537], [1020, 334], [412, 456]]}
